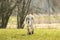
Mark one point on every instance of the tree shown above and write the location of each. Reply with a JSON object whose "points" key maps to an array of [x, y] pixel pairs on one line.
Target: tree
{"points": [[23, 9], [6, 11]]}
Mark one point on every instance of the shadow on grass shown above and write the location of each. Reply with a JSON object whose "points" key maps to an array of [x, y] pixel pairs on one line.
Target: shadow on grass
{"points": [[23, 34]]}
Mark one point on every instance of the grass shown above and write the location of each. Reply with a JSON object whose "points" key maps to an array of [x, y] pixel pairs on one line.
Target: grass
{"points": [[21, 34]]}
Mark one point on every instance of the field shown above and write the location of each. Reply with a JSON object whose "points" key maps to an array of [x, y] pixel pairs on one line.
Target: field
{"points": [[40, 21], [21, 34], [40, 33]]}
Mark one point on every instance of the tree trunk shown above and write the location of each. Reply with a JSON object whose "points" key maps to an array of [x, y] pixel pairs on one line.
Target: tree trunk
{"points": [[4, 22], [22, 12]]}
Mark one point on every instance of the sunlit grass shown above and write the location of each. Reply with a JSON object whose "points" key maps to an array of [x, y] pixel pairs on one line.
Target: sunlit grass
{"points": [[21, 34]]}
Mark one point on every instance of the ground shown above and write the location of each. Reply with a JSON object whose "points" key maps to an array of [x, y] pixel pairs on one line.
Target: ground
{"points": [[40, 34], [40, 21], [21, 34]]}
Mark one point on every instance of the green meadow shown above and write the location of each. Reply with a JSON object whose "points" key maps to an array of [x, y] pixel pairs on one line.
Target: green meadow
{"points": [[21, 34]]}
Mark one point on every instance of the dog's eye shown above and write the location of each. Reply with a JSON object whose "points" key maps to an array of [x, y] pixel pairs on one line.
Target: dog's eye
{"points": [[28, 19]]}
